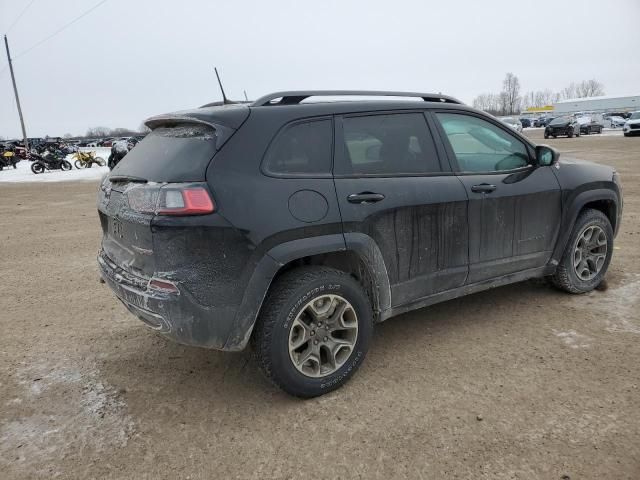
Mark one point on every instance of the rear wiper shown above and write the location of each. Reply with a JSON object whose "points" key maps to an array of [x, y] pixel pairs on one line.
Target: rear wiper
{"points": [[127, 178]]}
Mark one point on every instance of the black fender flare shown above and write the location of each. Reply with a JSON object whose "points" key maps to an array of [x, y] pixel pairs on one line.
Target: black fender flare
{"points": [[575, 205], [268, 267]]}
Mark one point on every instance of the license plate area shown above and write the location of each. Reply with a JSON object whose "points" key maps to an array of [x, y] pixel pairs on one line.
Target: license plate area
{"points": [[116, 228]]}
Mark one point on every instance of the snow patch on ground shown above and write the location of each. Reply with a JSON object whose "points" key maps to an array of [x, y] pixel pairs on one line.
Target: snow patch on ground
{"points": [[624, 309], [23, 171], [573, 339], [94, 416], [619, 306]]}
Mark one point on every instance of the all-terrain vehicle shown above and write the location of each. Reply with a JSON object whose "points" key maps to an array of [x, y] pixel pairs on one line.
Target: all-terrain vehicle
{"points": [[8, 159], [296, 226]]}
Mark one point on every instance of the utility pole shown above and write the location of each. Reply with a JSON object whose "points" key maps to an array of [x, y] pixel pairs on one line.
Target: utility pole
{"points": [[15, 90]]}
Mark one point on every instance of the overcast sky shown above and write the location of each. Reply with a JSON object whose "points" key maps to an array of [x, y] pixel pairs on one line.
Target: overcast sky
{"points": [[128, 60]]}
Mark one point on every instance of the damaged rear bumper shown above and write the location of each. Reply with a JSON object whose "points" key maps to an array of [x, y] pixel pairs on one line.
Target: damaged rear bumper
{"points": [[176, 315]]}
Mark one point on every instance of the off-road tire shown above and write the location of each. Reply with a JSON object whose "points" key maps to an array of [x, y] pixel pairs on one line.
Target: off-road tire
{"points": [[285, 299], [565, 277], [79, 165], [66, 166]]}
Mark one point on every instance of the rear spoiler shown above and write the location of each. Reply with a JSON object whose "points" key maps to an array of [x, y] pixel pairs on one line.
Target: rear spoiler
{"points": [[222, 132]]}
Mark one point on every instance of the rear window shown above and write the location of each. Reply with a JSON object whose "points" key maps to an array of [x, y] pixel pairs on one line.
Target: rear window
{"points": [[179, 153], [302, 148]]}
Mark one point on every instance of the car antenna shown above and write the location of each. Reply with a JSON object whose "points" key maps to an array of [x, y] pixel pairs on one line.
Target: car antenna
{"points": [[245, 95], [225, 100]]}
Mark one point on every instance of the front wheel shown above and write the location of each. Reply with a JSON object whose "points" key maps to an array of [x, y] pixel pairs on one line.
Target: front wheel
{"points": [[314, 331], [78, 164], [587, 254], [546, 135], [65, 165]]}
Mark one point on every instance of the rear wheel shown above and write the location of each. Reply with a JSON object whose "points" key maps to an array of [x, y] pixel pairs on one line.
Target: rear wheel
{"points": [[65, 165], [37, 167], [546, 135], [587, 254], [314, 331]]}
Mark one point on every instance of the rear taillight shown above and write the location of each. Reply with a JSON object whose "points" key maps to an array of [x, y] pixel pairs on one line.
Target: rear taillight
{"points": [[171, 199], [185, 201]]}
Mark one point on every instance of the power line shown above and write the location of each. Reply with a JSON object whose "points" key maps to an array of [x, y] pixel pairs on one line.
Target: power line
{"points": [[19, 17], [61, 29]]}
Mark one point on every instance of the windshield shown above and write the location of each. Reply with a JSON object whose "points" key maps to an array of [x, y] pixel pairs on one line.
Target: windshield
{"points": [[560, 120], [635, 116]]}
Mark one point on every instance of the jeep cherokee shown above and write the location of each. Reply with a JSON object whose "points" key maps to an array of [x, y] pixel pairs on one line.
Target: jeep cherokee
{"points": [[298, 225]]}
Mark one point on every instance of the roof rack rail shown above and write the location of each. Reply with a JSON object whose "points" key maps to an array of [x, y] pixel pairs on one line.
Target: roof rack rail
{"points": [[295, 97]]}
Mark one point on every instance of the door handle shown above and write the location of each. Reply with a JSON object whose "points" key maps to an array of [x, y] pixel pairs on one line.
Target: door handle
{"points": [[483, 188], [365, 197]]}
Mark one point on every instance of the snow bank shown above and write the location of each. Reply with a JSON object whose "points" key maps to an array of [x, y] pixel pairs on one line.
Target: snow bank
{"points": [[23, 171]]}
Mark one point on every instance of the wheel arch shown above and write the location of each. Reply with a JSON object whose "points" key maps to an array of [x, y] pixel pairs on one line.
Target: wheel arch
{"points": [[602, 199], [354, 253]]}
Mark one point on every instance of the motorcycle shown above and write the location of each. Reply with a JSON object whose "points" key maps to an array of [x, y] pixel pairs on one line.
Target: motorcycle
{"points": [[8, 159], [87, 159], [50, 161]]}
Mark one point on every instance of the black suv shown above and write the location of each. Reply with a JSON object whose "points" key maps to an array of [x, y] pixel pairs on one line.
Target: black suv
{"points": [[297, 226]]}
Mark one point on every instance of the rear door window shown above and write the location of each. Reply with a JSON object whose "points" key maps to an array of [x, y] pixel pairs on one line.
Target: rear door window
{"points": [[389, 144], [304, 148]]}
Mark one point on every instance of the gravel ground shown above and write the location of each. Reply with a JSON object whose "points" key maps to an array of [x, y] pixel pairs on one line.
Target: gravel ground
{"points": [[518, 382]]}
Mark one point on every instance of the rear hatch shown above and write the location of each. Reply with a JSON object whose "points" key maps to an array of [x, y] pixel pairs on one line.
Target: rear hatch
{"points": [[163, 175]]}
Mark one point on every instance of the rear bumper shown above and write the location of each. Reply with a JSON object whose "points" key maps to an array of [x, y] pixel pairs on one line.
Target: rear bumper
{"points": [[177, 316]]}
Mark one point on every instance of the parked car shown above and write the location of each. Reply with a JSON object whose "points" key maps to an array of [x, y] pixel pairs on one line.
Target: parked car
{"points": [[589, 124], [512, 122], [632, 126], [562, 126], [543, 121], [615, 122], [526, 122], [297, 226]]}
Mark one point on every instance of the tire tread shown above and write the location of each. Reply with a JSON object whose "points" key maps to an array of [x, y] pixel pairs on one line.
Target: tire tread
{"points": [[278, 296]]}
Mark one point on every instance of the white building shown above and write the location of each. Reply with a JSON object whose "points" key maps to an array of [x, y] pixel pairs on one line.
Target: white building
{"points": [[603, 104]]}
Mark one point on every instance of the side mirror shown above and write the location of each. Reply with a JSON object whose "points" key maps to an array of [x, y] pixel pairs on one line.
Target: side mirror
{"points": [[546, 156]]}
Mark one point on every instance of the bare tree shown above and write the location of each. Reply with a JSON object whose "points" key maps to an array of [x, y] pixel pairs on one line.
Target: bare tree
{"points": [[570, 91], [510, 94], [589, 88], [488, 102], [98, 132]]}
